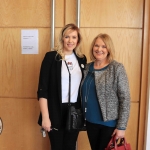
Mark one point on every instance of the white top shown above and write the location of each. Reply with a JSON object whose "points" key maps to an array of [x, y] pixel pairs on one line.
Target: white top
{"points": [[76, 76]]}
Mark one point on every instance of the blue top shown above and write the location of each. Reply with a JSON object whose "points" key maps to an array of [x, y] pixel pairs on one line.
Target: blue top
{"points": [[90, 101]]}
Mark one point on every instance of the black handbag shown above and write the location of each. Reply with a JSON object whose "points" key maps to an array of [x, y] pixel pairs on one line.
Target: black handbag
{"points": [[75, 119]]}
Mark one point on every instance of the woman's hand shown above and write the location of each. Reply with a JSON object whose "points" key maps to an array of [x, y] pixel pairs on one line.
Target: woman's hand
{"points": [[119, 133], [46, 124]]}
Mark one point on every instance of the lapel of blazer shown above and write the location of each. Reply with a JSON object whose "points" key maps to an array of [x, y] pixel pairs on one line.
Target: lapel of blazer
{"points": [[58, 67], [81, 64]]}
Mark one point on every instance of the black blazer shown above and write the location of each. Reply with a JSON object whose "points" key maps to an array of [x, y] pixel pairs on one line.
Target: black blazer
{"points": [[50, 85]]}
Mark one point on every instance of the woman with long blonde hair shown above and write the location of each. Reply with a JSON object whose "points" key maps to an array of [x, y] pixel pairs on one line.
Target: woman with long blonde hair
{"points": [[54, 86]]}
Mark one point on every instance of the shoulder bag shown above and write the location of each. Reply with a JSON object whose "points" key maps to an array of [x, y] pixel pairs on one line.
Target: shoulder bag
{"points": [[75, 119]]}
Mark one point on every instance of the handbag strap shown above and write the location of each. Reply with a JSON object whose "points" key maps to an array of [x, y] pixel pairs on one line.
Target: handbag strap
{"points": [[113, 143], [69, 83], [122, 142]]}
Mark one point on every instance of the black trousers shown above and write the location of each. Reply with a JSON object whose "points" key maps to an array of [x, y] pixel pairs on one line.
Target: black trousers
{"points": [[63, 139], [99, 135]]}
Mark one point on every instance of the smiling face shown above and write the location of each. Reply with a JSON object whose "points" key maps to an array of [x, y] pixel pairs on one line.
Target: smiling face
{"points": [[70, 41], [100, 51]]}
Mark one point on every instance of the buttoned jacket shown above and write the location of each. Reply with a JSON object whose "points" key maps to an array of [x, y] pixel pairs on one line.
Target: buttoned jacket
{"points": [[113, 92]]}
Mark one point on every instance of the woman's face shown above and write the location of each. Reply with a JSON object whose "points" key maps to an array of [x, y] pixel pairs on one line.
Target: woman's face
{"points": [[100, 51], [70, 41]]}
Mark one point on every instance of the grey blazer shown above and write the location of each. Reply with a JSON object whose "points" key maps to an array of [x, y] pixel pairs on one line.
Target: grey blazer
{"points": [[113, 93]]}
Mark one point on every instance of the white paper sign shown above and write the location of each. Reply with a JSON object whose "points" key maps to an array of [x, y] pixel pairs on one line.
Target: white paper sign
{"points": [[29, 41]]}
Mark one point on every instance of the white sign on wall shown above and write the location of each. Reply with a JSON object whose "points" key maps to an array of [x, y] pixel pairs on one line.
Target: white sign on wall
{"points": [[29, 41]]}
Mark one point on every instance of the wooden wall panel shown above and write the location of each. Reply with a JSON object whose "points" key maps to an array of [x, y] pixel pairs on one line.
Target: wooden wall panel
{"points": [[19, 73], [132, 127], [18, 13], [83, 142], [20, 128], [131, 132], [59, 13], [106, 13], [126, 52], [30, 13], [70, 11]]}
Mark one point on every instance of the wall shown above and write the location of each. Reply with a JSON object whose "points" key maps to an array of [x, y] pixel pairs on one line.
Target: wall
{"points": [[19, 109], [146, 45]]}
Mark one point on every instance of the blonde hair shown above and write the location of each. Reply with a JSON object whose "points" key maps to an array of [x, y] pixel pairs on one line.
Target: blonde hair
{"points": [[109, 45], [59, 47]]}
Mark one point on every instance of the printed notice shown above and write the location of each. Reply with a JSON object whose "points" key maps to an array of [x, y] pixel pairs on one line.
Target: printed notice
{"points": [[29, 41]]}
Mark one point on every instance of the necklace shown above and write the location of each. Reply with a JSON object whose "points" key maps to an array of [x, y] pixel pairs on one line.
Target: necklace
{"points": [[88, 89]]}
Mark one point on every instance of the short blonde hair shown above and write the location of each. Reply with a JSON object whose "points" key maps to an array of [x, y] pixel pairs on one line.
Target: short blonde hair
{"points": [[59, 47], [109, 45]]}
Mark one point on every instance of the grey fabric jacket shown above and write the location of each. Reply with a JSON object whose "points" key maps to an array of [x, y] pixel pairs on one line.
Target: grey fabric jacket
{"points": [[113, 93]]}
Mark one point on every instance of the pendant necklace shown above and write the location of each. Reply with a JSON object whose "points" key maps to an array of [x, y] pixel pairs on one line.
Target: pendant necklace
{"points": [[88, 89]]}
